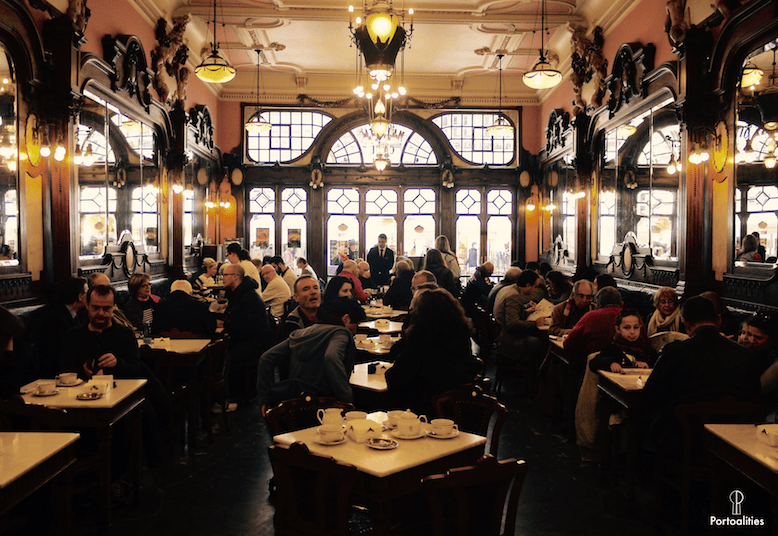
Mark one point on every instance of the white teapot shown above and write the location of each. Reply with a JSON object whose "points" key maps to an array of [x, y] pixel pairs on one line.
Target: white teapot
{"points": [[409, 424]]}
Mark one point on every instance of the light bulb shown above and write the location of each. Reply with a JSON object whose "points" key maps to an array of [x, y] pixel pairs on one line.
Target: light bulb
{"points": [[59, 153], [401, 90], [45, 151]]}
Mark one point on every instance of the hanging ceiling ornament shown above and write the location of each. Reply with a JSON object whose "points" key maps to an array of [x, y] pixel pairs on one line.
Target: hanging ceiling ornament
{"points": [[767, 101], [214, 69], [542, 75], [256, 124], [501, 127], [379, 38]]}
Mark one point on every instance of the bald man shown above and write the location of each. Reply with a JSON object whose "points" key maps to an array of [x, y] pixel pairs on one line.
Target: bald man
{"points": [[276, 292], [179, 310], [351, 271]]}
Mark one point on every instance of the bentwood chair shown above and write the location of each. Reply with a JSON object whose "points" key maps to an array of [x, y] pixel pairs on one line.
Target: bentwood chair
{"points": [[299, 413], [473, 411], [313, 492], [658, 340], [694, 465], [476, 499]]}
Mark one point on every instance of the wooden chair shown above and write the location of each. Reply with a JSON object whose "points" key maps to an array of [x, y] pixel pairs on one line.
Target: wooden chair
{"points": [[694, 465], [473, 411], [475, 499], [299, 413], [487, 333], [178, 375], [313, 492], [658, 340], [212, 382]]}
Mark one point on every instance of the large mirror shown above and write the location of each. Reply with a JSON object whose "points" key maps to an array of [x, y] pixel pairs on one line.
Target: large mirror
{"points": [[639, 183], [119, 180], [560, 208], [9, 165], [756, 189]]}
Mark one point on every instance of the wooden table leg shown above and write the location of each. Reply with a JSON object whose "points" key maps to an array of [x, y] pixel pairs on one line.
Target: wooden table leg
{"points": [[135, 454], [104, 448]]}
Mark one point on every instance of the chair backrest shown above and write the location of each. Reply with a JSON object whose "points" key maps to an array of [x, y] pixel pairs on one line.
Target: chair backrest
{"points": [[473, 411], [474, 500], [215, 362], [313, 491], [299, 413], [15, 415], [658, 340]]}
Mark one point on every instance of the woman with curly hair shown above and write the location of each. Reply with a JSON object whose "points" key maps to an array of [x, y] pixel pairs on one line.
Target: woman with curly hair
{"points": [[434, 354], [338, 287]]}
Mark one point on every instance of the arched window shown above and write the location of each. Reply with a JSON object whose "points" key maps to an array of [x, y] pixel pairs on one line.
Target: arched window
{"points": [[405, 145], [293, 133], [466, 132]]}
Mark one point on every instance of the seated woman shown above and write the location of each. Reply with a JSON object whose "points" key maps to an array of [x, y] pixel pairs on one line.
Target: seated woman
{"points": [[749, 250], [201, 283], [338, 287], [559, 287], [434, 354], [140, 309], [434, 263], [667, 316]]}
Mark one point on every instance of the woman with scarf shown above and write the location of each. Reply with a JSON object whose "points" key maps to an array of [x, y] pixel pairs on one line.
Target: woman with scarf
{"points": [[667, 316]]}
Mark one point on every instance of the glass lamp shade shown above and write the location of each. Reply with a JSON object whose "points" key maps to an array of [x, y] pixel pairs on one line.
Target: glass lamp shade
{"points": [[542, 76], [381, 24], [752, 75], [215, 69], [770, 162], [500, 129], [379, 125], [381, 163], [257, 125]]}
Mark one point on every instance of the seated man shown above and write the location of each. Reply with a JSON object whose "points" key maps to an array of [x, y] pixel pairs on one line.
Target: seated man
{"points": [[319, 357], [595, 329], [509, 279], [567, 313], [276, 292], [286, 273], [704, 367], [305, 268], [519, 335], [181, 311], [400, 294], [309, 310], [477, 289], [364, 275], [58, 319], [351, 271]]}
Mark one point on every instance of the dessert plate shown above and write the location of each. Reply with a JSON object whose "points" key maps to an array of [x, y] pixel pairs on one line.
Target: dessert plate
{"points": [[381, 443], [52, 393], [89, 396]]}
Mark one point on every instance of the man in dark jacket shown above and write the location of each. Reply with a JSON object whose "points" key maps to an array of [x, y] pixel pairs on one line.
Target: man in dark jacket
{"points": [[381, 260], [245, 321], [58, 319], [704, 367], [181, 311], [319, 357]]}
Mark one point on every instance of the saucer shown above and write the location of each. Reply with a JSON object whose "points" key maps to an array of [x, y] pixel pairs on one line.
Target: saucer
{"points": [[63, 384], [318, 439], [38, 393], [450, 435], [398, 435], [89, 396], [380, 443]]}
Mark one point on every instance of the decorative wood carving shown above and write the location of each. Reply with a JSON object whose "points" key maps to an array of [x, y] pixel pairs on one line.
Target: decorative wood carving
{"points": [[200, 119], [677, 22], [588, 65], [169, 58], [79, 14], [15, 287], [558, 123], [130, 72], [627, 79]]}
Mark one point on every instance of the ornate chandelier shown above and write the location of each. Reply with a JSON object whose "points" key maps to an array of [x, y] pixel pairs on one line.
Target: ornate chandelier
{"points": [[214, 69]]}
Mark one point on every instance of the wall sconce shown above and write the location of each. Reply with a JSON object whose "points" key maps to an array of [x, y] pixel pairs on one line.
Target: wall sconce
{"points": [[531, 204], [549, 207], [447, 178]]}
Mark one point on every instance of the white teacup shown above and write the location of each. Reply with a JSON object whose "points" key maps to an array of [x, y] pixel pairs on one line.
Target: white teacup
{"points": [[68, 378], [392, 417], [443, 426], [47, 387], [382, 323], [356, 415], [330, 432], [330, 416], [384, 338]]}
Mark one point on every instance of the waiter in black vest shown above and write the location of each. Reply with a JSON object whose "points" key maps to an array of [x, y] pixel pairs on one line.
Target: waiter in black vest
{"points": [[381, 259]]}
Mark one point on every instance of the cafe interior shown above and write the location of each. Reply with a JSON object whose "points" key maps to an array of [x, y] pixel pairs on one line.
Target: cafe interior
{"points": [[630, 138]]}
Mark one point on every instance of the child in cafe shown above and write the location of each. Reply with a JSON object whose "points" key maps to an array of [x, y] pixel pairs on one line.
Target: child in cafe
{"points": [[628, 349]]}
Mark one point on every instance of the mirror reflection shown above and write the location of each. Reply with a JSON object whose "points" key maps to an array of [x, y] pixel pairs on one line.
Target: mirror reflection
{"points": [[756, 193], [640, 180], [9, 163], [118, 179]]}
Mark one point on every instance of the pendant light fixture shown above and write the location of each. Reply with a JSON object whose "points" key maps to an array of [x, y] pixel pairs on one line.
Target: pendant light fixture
{"points": [[501, 127], [542, 75], [767, 101], [214, 69], [256, 124]]}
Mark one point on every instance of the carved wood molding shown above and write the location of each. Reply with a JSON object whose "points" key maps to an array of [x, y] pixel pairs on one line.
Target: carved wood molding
{"points": [[169, 57], [632, 63], [15, 287], [200, 119], [130, 73], [588, 65], [558, 123]]}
